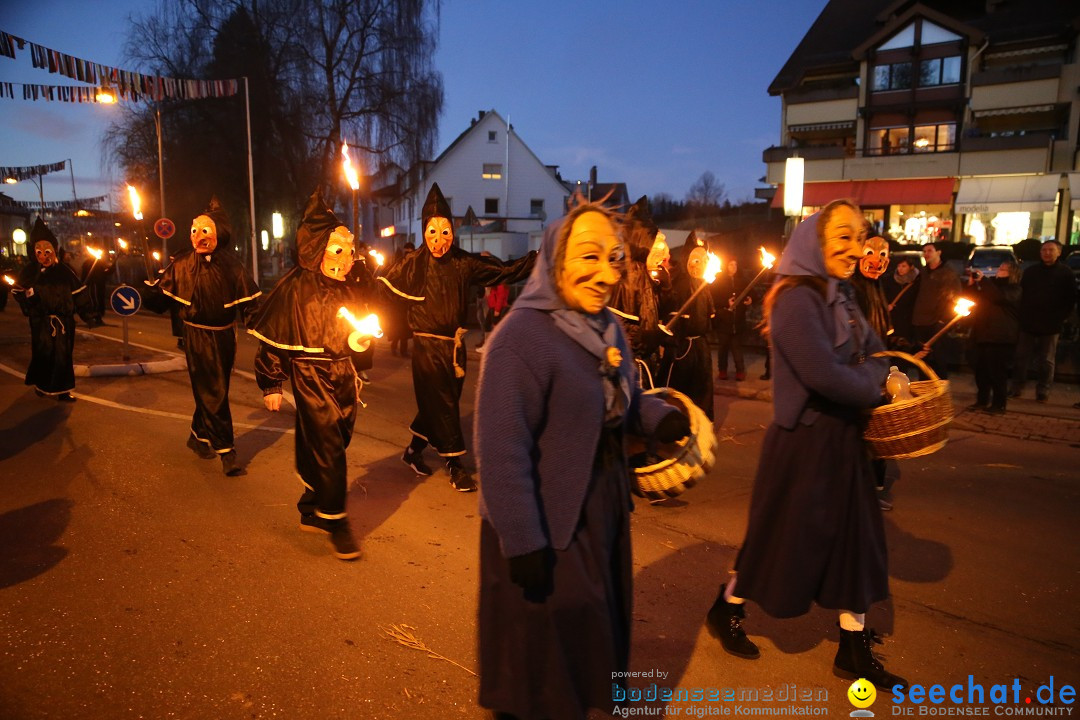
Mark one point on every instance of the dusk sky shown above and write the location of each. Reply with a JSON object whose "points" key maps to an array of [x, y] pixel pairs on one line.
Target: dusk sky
{"points": [[652, 93]]}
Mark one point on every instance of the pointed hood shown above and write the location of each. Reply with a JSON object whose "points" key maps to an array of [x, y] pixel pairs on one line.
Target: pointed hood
{"points": [[41, 232], [641, 216], [435, 206], [314, 231], [215, 212]]}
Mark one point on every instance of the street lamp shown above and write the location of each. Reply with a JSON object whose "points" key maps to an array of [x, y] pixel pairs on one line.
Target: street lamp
{"points": [[793, 187]]}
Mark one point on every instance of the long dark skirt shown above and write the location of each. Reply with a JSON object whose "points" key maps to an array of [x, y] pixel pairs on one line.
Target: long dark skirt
{"points": [[438, 393], [556, 659], [52, 344], [688, 369], [815, 532]]}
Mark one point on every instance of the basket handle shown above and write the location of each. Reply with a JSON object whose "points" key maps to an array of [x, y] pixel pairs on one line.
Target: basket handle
{"points": [[911, 359]]}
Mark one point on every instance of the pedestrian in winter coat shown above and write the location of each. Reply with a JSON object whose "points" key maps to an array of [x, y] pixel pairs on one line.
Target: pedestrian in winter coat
{"points": [[1048, 293], [815, 532], [995, 330], [935, 297]]}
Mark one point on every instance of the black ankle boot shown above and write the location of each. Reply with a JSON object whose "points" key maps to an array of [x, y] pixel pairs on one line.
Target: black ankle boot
{"points": [[855, 659], [725, 624]]}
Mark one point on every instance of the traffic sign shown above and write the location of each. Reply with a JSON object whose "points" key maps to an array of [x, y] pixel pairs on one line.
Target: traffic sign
{"points": [[125, 300], [164, 228]]}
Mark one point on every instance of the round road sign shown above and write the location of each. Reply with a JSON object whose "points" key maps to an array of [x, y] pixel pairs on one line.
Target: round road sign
{"points": [[164, 228]]}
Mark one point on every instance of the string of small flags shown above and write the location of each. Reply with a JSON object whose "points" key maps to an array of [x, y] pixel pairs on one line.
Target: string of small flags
{"points": [[81, 203], [54, 93], [27, 172], [129, 85]]}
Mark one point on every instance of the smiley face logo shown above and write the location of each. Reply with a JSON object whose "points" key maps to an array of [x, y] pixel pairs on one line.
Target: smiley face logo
{"points": [[862, 693]]}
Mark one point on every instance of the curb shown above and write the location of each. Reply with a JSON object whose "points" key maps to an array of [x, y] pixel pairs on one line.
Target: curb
{"points": [[146, 368]]}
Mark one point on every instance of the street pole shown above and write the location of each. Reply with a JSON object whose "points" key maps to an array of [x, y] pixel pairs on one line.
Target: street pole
{"points": [[251, 186], [74, 196], [160, 164]]}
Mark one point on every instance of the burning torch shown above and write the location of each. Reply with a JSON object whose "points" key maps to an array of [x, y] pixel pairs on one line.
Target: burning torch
{"points": [[712, 269], [962, 309], [767, 261], [354, 182], [363, 330]]}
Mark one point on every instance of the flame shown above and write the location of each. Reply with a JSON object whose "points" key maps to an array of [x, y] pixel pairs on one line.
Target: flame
{"points": [[156, 255], [9, 280], [388, 231], [95, 252], [767, 258], [350, 171], [133, 194], [379, 257], [712, 267], [369, 326], [963, 307], [123, 243]]}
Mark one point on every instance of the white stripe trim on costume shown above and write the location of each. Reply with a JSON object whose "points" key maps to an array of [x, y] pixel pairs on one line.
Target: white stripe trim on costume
{"points": [[453, 454], [245, 299], [298, 477], [628, 316], [327, 516], [268, 341], [76, 292], [404, 295], [176, 298]]}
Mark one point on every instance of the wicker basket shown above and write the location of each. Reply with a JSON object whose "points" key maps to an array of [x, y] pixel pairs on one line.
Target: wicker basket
{"points": [[667, 471], [915, 427]]}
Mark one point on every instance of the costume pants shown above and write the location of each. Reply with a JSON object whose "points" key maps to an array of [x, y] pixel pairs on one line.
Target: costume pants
{"points": [[325, 395], [1043, 348], [210, 356], [438, 392], [52, 342], [992, 372]]}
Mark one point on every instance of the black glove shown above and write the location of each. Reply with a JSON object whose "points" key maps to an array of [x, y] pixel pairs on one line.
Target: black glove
{"points": [[533, 573], [674, 426]]}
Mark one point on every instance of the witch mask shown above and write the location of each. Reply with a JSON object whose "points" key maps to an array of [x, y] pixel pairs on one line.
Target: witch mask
{"points": [[842, 241], [339, 254], [45, 253], [204, 237], [875, 259], [439, 235], [591, 265]]}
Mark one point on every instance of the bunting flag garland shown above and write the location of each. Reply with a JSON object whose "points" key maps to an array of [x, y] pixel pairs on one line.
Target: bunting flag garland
{"points": [[81, 203], [31, 172], [56, 93], [129, 85]]}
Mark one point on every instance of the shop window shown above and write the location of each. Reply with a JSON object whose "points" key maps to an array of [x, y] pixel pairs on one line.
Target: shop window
{"points": [[896, 76], [939, 71]]}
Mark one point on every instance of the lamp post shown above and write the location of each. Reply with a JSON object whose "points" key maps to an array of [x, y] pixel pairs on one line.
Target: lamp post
{"points": [[160, 163], [251, 184], [793, 193]]}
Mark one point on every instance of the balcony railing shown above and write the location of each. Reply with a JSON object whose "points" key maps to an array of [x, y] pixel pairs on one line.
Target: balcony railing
{"points": [[1015, 73], [1006, 142], [830, 152]]}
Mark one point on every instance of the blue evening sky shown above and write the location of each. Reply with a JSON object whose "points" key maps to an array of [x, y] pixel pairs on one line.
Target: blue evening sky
{"points": [[652, 93]]}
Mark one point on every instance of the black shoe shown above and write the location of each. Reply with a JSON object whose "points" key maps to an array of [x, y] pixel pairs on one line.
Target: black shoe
{"points": [[1042, 399], [310, 522], [180, 343], [766, 376], [977, 407], [68, 397], [855, 659], [200, 448], [725, 624], [229, 464], [413, 460], [342, 540], [461, 479]]}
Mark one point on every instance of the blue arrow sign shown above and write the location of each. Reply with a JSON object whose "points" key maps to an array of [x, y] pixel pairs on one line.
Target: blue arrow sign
{"points": [[125, 300]]}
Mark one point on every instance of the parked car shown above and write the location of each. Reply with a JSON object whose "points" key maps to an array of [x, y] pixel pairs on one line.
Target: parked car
{"points": [[1073, 263], [987, 258]]}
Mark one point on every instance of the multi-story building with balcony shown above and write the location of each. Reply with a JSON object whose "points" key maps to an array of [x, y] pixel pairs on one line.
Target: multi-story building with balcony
{"points": [[944, 119]]}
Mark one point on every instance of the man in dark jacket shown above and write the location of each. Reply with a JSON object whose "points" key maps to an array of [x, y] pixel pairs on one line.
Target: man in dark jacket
{"points": [[730, 321], [1047, 296], [938, 289]]}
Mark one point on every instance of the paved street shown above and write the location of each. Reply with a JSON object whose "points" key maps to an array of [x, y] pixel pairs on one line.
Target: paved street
{"points": [[137, 580]]}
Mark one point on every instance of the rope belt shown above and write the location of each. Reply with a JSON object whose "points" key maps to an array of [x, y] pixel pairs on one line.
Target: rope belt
{"points": [[53, 322], [458, 340], [209, 327]]}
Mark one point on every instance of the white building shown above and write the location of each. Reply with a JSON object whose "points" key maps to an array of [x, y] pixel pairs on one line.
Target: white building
{"points": [[490, 169]]}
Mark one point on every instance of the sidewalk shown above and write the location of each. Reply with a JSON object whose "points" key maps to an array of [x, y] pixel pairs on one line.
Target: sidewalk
{"points": [[1056, 421], [94, 355]]}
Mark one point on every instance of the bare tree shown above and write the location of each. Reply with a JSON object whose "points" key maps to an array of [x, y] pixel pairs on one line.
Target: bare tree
{"points": [[706, 192]]}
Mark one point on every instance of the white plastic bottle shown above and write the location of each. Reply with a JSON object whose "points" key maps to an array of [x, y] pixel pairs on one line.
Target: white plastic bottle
{"points": [[898, 386]]}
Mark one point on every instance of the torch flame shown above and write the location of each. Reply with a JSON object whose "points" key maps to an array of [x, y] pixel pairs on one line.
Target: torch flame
{"points": [[767, 258], [95, 252], [350, 171], [369, 326], [712, 267], [133, 194], [388, 231], [9, 280], [123, 244], [157, 255], [963, 307], [379, 257]]}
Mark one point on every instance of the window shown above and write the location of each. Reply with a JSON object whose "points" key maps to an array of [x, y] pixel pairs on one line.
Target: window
{"points": [[940, 137], [939, 71], [492, 171], [536, 206], [896, 76], [888, 141], [491, 206], [934, 138], [492, 136]]}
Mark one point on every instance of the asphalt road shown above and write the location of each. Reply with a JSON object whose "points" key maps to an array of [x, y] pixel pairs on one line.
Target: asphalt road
{"points": [[137, 580]]}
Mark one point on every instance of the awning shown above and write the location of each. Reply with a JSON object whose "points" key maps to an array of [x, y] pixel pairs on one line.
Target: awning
{"points": [[1013, 111], [1026, 193], [925, 191], [813, 127]]}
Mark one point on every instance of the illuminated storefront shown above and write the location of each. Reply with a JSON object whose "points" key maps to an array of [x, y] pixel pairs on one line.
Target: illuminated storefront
{"points": [[1004, 210]]}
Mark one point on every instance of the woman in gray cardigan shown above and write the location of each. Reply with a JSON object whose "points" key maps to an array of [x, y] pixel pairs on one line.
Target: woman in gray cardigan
{"points": [[557, 391]]}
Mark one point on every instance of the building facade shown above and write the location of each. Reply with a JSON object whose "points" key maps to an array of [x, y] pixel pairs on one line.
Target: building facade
{"points": [[945, 119], [489, 169]]}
